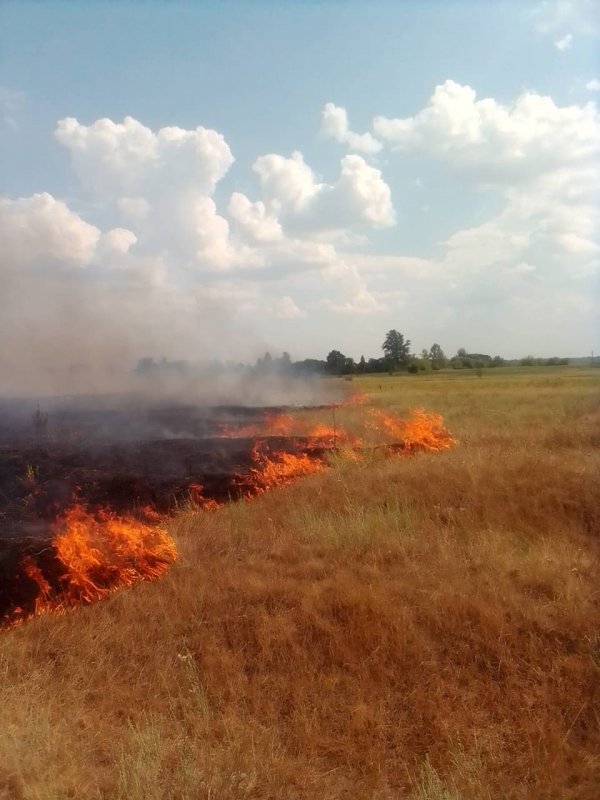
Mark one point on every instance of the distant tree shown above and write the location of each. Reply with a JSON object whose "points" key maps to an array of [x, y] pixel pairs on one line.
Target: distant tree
{"points": [[362, 365], [461, 352], [396, 349], [264, 364], [437, 357], [286, 361], [376, 365], [336, 362], [309, 366]]}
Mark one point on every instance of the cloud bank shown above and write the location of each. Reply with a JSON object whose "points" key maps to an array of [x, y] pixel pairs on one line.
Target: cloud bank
{"points": [[155, 255]]}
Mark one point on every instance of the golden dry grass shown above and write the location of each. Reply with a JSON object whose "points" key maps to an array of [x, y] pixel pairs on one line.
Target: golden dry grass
{"points": [[424, 628]]}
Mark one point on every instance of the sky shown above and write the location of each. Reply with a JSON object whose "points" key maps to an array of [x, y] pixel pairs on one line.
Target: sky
{"points": [[199, 179]]}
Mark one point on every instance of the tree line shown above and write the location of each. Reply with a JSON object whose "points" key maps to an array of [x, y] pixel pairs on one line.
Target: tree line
{"points": [[396, 357]]}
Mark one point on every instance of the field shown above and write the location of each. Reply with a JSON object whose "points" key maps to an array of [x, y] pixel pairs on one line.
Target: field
{"points": [[423, 627]]}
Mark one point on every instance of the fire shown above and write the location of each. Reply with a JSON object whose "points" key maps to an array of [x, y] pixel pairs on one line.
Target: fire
{"points": [[199, 500], [317, 434], [421, 431], [280, 424], [279, 469], [354, 399], [93, 556]]}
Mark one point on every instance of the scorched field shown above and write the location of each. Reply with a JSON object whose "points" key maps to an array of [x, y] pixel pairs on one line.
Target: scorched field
{"points": [[366, 601]]}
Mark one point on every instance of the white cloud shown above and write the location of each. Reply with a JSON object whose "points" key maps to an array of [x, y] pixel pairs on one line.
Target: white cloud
{"points": [[493, 142], [177, 267], [42, 232], [334, 124], [291, 193], [162, 184], [564, 43], [247, 299], [286, 308], [593, 85], [253, 219], [288, 184], [556, 16], [360, 195], [127, 159], [351, 295], [135, 209], [117, 240]]}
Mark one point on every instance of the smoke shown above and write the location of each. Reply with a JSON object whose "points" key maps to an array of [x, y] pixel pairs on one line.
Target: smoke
{"points": [[79, 306], [160, 271]]}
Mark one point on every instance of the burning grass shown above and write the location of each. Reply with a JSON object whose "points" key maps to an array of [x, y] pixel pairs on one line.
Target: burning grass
{"points": [[423, 628], [87, 557]]}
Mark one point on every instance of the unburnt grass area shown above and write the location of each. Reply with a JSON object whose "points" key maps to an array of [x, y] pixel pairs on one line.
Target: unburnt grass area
{"points": [[419, 627]]}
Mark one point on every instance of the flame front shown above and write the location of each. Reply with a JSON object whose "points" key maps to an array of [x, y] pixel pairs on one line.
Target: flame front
{"points": [[421, 431], [279, 469], [94, 556]]}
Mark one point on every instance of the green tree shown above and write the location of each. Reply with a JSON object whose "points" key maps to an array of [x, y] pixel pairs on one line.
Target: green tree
{"points": [[396, 348], [336, 362], [362, 365], [437, 357]]}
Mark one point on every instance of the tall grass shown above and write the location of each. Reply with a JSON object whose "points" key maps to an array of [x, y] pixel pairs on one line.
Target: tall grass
{"points": [[423, 628]]}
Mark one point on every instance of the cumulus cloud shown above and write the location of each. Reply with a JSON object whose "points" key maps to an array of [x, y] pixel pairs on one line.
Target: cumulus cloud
{"points": [[288, 184], [291, 193], [494, 142], [178, 269], [162, 185], [42, 232], [593, 85], [127, 159], [253, 219], [335, 125]]}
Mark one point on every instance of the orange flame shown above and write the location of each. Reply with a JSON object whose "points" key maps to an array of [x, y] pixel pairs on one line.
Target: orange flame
{"points": [[422, 431], [287, 425], [95, 556], [197, 498], [354, 399], [280, 469]]}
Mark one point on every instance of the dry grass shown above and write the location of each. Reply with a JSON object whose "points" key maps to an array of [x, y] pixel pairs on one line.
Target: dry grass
{"points": [[423, 628]]}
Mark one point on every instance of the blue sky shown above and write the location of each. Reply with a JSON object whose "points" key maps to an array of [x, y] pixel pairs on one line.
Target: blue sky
{"points": [[456, 226]]}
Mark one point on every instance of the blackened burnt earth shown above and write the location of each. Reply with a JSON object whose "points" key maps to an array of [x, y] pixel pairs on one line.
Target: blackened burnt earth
{"points": [[126, 458]]}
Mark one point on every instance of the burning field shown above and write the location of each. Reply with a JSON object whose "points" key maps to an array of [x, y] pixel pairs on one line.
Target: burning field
{"points": [[86, 493], [398, 622]]}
